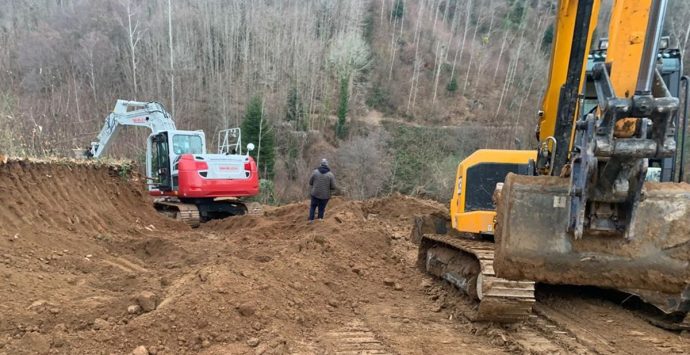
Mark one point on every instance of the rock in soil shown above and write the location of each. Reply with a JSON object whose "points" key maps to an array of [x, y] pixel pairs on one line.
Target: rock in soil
{"points": [[147, 300], [134, 309], [99, 324], [246, 309], [253, 342]]}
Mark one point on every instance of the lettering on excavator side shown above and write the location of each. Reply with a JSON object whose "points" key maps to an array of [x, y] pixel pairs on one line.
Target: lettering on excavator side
{"points": [[139, 119], [228, 168]]}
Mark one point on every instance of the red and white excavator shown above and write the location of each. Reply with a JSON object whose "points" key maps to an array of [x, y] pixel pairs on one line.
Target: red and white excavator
{"points": [[190, 184]]}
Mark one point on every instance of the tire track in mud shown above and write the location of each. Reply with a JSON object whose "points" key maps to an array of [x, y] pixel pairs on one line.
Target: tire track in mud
{"points": [[356, 338], [580, 325], [569, 321], [607, 328], [540, 336]]}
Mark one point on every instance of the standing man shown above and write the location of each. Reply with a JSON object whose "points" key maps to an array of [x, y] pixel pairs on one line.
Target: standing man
{"points": [[322, 184]]}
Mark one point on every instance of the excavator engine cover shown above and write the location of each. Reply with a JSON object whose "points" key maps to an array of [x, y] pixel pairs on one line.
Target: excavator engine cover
{"points": [[533, 244]]}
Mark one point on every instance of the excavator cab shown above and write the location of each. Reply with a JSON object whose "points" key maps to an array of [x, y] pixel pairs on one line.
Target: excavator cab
{"points": [[460, 251], [162, 161], [472, 207]]}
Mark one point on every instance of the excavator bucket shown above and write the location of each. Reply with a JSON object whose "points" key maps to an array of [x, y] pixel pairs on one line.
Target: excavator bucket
{"points": [[532, 242]]}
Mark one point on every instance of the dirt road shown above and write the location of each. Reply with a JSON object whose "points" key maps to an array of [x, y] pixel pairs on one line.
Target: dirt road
{"points": [[88, 267]]}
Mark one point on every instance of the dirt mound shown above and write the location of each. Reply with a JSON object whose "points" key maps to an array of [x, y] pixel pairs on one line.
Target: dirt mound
{"points": [[80, 197], [82, 245], [88, 267], [74, 237]]}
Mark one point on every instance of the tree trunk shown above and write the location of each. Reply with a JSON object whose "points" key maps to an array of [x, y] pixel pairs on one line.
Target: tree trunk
{"points": [[393, 50], [172, 57], [440, 49], [415, 69], [500, 54], [469, 64], [464, 36]]}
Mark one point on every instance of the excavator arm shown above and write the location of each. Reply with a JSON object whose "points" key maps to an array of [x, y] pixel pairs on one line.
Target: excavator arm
{"points": [[575, 23], [591, 219], [633, 123], [131, 113]]}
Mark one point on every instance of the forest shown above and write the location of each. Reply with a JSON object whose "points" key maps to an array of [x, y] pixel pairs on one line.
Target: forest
{"points": [[393, 92]]}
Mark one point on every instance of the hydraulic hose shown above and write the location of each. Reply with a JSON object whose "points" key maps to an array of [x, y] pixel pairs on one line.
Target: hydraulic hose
{"points": [[684, 117]]}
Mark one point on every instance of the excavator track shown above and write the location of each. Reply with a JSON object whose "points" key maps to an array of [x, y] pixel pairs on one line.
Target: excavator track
{"points": [[500, 300], [184, 212]]}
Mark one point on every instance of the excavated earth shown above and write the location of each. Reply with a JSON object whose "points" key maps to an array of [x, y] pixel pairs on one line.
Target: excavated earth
{"points": [[88, 267]]}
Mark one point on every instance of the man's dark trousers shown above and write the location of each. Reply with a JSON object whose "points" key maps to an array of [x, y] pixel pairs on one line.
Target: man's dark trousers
{"points": [[317, 203]]}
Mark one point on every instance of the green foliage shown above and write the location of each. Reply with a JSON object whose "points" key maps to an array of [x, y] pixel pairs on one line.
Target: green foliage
{"points": [[411, 157], [125, 170], [379, 98], [341, 126], [515, 17], [452, 85], [398, 9], [547, 39], [450, 9], [295, 110], [424, 158], [255, 129], [289, 147], [291, 162], [267, 194], [368, 28]]}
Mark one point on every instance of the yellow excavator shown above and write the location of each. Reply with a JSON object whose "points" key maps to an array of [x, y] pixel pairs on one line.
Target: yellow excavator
{"points": [[583, 208]]}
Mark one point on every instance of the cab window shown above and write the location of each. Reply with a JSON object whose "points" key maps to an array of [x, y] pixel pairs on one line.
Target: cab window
{"points": [[187, 144]]}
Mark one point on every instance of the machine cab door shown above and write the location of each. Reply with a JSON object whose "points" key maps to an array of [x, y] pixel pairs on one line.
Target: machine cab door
{"points": [[161, 170]]}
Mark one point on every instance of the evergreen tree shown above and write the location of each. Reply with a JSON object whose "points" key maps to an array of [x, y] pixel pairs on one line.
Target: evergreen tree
{"points": [[399, 9], [295, 110], [255, 129], [547, 39], [515, 17], [452, 85], [341, 125]]}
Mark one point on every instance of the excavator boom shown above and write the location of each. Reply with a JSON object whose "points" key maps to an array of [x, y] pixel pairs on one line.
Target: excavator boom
{"points": [[130, 113]]}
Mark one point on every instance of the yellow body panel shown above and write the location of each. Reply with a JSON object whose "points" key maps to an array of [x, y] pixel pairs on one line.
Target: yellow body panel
{"points": [[480, 221], [565, 25], [627, 31]]}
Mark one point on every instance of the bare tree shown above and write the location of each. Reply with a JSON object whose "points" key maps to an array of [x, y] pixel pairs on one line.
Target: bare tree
{"points": [[172, 60], [440, 54], [363, 166], [464, 37], [134, 35]]}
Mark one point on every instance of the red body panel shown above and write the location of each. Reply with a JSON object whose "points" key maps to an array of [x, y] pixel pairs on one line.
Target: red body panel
{"points": [[191, 184]]}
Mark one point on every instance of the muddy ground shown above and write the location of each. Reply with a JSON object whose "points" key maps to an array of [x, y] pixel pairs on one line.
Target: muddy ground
{"points": [[88, 267]]}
